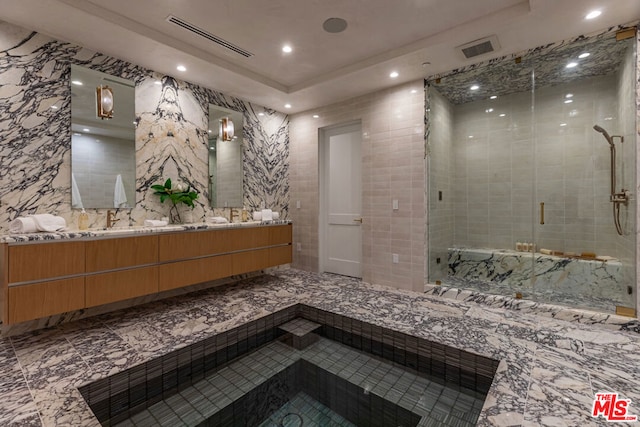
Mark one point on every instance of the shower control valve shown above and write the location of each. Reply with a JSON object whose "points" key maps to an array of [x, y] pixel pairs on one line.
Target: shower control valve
{"points": [[622, 197]]}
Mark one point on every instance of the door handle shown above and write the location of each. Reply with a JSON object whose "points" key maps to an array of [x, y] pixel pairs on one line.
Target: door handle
{"points": [[358, 220]]}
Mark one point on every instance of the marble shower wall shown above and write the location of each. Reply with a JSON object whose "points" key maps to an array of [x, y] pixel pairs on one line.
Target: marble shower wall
{"points": [[171, 134]]}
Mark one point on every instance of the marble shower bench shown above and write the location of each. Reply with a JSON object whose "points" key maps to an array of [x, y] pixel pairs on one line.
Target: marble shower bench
{"points": [[588, 283]]}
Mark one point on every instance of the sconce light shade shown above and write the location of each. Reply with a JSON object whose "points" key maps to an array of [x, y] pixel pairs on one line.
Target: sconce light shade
{"points": [[226, 129], [104, 98]]}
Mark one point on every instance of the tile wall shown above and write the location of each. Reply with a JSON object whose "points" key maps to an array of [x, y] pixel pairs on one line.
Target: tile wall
{"points": [[171, 136], [393, 168]]}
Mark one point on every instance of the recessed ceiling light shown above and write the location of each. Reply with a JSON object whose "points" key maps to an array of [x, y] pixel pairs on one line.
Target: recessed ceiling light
{"points": [[608, 118], [583, 55], [287, 105], [394, 74], [287, 49], [181, 68], [77, 134], [563, 124], [334, 25], [86, 130], [572, 64], [502, 115], [489, 110], [493, 96], [54, 107], [474, 87], [568, 101], [470, 136], [569, 95], [315, 116], [593, 14], [77, 82]]}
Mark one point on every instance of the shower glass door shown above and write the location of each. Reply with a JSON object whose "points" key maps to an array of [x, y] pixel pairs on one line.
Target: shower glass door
{"points": [[586, 243], [519, 179]]}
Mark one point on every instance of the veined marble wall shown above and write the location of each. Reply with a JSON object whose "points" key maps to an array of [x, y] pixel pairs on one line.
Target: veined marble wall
{"points": [[171, 134]]}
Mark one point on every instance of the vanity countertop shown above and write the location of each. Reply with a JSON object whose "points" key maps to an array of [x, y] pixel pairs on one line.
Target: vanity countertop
{"points": [[129, 231]]}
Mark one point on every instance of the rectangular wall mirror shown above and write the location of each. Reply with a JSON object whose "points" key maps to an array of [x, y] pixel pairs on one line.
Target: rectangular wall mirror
{"points": [[103, 165], [225, 157]]}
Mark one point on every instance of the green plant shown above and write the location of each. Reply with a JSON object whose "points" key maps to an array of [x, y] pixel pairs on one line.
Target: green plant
{"points": [[178, 194]]}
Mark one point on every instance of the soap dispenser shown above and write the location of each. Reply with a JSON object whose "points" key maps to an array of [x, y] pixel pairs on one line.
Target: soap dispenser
{"points": [[83, 220], [245, 214]]}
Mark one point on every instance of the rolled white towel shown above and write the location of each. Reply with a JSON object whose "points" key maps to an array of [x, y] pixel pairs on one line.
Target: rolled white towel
{"points": [[267, 214], [48, 222], [155, 223], [257, 216], [218, 220], [22, 225]]}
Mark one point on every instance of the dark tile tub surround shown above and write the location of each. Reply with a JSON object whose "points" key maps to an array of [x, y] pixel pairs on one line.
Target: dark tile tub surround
{"points": [[120, 396], [548, 373]]}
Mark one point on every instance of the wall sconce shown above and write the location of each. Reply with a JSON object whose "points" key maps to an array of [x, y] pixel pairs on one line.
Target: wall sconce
{"points": [[226, 129], [104, 98]]}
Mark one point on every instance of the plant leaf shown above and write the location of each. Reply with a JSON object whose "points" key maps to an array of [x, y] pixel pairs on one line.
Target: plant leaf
{"points": [[167, 183]]}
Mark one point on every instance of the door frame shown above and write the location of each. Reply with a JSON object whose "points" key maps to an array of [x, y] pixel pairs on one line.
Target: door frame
{"points": [[323, 134]]}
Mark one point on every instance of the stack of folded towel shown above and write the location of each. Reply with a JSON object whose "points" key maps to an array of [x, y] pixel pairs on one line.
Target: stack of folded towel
{"points": [[265, 215], [217, 220], [34, 223], [155, 223]]}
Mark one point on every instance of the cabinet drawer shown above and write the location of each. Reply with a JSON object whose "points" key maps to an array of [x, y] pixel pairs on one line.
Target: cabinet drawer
{"points": [[27, 302], [177, 246], [280, 255], [120, 285], [245, 262], [280, 234], [45, 260], [185, 273], [109, 254]]}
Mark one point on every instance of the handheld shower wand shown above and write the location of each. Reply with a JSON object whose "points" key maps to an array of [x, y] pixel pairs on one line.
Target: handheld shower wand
{"points": [[615, 198]]}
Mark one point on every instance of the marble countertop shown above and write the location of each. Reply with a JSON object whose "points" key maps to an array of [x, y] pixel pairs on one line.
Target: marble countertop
{"points": [[548, 374], [128, 231]]}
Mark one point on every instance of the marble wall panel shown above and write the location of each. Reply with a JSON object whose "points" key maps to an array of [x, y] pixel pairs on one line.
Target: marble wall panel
{"points": [[171, 134]]}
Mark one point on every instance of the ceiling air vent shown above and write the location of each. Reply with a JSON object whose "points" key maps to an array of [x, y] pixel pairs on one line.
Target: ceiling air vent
{"points": [[479, 47], [207, 35]]}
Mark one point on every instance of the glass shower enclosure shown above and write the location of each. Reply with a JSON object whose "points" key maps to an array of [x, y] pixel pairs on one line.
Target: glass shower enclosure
{"points": [[532, 175]]}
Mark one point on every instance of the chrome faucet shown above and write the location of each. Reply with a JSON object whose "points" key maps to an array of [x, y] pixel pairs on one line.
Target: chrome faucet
{"points": [[111, 218]]}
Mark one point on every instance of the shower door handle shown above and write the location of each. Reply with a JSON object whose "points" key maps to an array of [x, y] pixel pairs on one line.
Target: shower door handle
{"points": [[541, 213]]}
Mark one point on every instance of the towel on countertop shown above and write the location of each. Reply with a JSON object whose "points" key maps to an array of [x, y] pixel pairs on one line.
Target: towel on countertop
{"points": [[257, 216], [218, 220], [33, 223], [119, 195], [155, 223]]}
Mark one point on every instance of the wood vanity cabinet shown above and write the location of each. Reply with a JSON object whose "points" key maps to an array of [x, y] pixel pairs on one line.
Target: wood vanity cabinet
{"points": [[44, 278]]}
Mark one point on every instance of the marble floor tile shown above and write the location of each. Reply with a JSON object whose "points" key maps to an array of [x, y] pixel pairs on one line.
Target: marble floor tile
{"points": [[545, 358]]}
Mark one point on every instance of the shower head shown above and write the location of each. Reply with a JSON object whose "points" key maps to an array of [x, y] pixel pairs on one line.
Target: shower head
{"points": [[604, 133]]}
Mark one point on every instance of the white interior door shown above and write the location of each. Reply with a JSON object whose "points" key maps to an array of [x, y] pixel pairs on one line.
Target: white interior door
{"points": [[341, 201]]}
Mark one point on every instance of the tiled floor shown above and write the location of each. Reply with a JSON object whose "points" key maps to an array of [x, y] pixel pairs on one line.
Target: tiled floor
{"points": [[302, 410], [549, 370], [435, 403]]}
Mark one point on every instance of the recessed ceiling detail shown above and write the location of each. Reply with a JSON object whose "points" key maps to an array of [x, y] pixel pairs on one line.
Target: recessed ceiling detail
{"points": [[207, 35]]}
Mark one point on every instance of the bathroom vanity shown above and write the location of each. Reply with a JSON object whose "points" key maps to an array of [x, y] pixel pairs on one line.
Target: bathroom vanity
{"points": [[40, 278]]}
